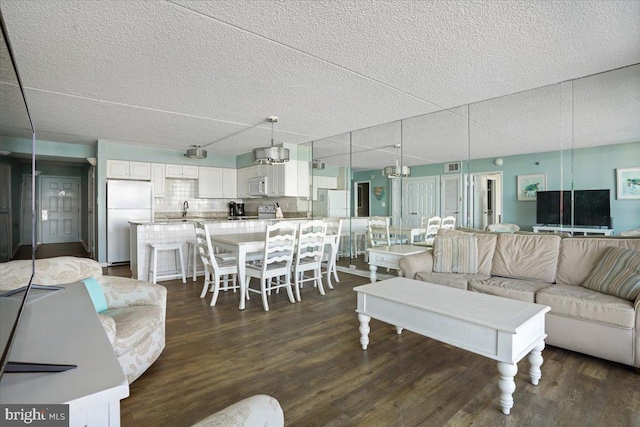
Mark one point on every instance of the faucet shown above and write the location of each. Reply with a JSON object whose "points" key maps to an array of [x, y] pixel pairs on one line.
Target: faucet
{"points": [[185, 206]]}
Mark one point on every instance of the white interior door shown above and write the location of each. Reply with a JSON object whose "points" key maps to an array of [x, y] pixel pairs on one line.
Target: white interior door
{"points": [[486, 199], [90, 211], [59, 198], [419, 198], [450, 195]]}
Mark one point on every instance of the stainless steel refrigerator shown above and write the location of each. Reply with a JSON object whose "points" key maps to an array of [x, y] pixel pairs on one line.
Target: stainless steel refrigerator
{"points": [[126, 201], [5, 213]]}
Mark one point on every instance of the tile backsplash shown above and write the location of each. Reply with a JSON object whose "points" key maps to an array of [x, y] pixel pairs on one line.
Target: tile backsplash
{"points": [[177, 191]]}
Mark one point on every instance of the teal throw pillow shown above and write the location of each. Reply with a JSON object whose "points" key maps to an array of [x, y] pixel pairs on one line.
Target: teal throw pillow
{"points": [[96, 294]]}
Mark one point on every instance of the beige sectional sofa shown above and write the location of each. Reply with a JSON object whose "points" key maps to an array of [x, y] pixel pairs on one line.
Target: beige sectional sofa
{"points": [[136, 311], [550, 270]]}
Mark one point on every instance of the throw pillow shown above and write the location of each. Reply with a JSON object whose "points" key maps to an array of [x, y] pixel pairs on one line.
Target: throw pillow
{"points": [[96, 294], [455, 254], [617, 274]]}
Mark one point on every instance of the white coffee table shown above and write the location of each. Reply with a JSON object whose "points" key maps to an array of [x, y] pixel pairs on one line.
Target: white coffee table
{"points": [[499, 328], [389, 257]]}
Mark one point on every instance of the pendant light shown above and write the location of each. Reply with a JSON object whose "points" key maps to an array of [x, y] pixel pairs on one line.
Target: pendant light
{"points": [[196, 152], [397, 171], [318, 164], [271, 155]]}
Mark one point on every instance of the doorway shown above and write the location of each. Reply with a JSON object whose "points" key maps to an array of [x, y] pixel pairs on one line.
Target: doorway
{"points": [[363, 199], [485, 203], [450, 194], [419, 198], [60, 213]]}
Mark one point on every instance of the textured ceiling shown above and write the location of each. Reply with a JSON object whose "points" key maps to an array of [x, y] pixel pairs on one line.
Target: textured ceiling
{"points": [[176, 73]]}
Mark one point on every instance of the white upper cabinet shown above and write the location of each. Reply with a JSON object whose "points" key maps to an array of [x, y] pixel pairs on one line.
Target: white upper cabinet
{"points": [[217, 183], [182, 171], [229, 183], [123, 169], [158, 176]]}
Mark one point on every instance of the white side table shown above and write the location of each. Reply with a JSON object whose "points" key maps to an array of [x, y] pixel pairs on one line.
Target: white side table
{"points": [[389, 257]]}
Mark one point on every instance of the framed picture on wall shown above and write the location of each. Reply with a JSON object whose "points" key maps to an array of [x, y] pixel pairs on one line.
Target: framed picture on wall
{"points": [[628, 183], [528, 186]]}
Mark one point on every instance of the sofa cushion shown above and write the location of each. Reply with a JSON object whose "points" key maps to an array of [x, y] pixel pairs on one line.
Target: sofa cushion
{"points": [[134, 324], [523, 290], [455, 254], [527, 257], [486, 246], [584, 304], [49, 271], [578, 255], [460, 281], [617, 274]]}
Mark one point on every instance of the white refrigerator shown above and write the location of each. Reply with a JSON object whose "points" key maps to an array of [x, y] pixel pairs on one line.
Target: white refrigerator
{"points": [[126, 201], [332, 203]]}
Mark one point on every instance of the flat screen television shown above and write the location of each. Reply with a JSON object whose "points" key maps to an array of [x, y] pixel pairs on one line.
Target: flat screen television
{"points": [[588, 208]]}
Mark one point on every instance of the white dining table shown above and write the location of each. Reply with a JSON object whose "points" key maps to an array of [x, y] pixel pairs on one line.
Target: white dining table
{"points": [[242, 244]]}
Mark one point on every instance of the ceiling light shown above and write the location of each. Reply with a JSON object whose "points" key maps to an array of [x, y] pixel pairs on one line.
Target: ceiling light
{"points": [[396, 171], [271, 155], [317, 164], [196, 152]]}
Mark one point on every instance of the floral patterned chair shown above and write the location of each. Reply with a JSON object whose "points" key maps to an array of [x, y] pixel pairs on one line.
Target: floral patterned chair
{"points": [[136, 310], [258, 410]]}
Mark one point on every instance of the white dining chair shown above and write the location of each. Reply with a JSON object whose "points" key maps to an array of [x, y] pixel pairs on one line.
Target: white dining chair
{"points": [[215, 269], [431, 225], [448, 222], [309, 251], [378, 231], [334, 228], [279, 248]]}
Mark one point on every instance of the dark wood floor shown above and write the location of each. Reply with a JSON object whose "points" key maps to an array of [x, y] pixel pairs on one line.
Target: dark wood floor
{"points": [[308, 356], [53, 250]]}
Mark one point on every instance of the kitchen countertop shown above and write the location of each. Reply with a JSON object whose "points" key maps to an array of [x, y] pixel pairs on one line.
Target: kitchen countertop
{"points": [[209, 220]]}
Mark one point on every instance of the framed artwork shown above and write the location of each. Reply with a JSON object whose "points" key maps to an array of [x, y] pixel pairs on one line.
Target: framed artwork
{"points": [[528, 185], [628, 183]]}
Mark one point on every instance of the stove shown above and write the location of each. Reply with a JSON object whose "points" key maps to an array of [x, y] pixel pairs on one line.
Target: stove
{"points": [[267, 212]]}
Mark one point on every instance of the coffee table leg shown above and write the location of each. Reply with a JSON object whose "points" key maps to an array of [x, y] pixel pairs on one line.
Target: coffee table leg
{"points": [[364, 330], [373, 276], [506, 385], [535, 361], [399, 329]]}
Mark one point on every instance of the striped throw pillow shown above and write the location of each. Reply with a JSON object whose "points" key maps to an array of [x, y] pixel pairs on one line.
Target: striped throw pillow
{"points": [[617, 274], [455, 254]]}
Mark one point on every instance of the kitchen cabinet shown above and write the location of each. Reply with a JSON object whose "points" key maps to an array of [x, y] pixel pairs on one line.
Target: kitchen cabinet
{"points": [[158, 175], [182, 171], [122, 169], [243, 182], [217, 183], [323, 182], [229, 183]]}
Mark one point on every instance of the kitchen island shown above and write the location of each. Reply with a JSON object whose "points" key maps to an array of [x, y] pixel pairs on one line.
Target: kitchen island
{"points": [[182, 231]]}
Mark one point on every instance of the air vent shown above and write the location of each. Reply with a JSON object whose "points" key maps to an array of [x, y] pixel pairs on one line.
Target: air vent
{"points": [[452, 167]]}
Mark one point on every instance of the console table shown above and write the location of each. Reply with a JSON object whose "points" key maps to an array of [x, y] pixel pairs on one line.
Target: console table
{"points": [[62, 327], [573, 230]]}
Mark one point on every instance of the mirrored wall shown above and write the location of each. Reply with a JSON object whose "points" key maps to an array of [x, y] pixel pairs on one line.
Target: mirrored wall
{"points": [[577, 143]]}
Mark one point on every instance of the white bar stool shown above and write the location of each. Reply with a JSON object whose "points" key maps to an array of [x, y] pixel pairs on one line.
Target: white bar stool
{"points": [[154, 275], [192, 258]]}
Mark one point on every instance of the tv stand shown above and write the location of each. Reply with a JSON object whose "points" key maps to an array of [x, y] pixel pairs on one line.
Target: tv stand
{"points": [[574, 231], [64, 327]]}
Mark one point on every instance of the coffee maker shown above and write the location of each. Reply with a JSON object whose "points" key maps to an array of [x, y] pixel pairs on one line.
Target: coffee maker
{"points": [[236, 209]]}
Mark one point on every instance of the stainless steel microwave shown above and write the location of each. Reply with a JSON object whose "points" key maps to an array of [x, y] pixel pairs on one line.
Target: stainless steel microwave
{"points": [[258, 186]]}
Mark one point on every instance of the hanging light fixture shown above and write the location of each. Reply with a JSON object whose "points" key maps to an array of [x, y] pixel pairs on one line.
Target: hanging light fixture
{"points": [[271, 155], [397, 171], [196, 152], [318, 164]]}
